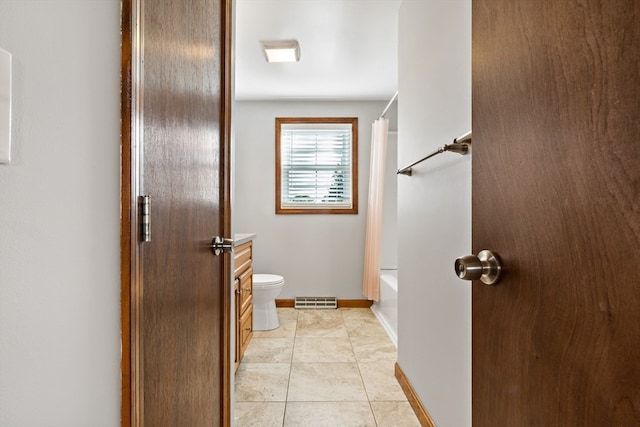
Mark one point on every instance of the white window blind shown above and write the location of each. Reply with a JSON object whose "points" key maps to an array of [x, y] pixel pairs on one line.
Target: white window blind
{"points": [[316, 166]]}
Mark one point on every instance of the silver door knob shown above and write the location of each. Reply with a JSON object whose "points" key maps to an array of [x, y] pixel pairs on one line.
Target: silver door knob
{"points": [[220, 245], [486, 267]]}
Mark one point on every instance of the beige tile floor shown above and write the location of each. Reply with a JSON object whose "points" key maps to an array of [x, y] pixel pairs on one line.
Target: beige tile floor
{"points": [[321, 368]]}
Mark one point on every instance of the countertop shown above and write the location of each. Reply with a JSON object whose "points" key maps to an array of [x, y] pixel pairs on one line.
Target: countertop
{"points": [[240, 238]]}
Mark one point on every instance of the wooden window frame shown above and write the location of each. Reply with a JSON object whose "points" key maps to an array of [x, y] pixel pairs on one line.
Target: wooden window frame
{"points": [[353, 121]]}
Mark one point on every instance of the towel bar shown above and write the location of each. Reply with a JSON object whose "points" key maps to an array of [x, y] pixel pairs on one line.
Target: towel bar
{"points": [[460, 145]]}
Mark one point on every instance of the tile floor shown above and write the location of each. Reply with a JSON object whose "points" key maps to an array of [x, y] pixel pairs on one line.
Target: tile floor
{"points": [[321, 368]]}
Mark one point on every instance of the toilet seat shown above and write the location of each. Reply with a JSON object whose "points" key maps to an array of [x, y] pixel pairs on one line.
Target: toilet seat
{"points": [[267, 280]]}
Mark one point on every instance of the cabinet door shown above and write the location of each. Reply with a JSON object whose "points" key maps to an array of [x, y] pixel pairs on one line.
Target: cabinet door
{"points": [[246, 289], [238, 302], [246, 329]]}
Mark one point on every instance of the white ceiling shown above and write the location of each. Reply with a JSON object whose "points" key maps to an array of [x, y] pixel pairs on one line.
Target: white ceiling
{"points": [[348, 49]]}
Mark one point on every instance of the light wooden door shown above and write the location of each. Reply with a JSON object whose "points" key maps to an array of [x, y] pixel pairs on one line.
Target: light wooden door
{"points": [[556, 193], [180, 291]]}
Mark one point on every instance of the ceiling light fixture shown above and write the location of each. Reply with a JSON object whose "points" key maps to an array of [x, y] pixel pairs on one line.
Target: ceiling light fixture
{"points": [[281, 50]]}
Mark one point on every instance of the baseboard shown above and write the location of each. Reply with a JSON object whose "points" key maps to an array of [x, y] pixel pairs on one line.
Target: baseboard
{"points": [[354, 303], [286, 303], [342, 303], [412, 397]]}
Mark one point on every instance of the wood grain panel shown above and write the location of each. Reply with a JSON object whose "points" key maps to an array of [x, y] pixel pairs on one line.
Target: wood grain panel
{"points": [[243, 288], [181, 302], [556, 192], [246, 286], [285, 303], [238, 312], [176, 139], [242, 258], [226, 91], [125, 215], [354, 303], [126, 212], [246, 329]]}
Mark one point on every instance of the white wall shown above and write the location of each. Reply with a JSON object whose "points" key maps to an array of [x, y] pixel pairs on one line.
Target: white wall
{"points": [[434, 206], [59, 216], [319, 255]]}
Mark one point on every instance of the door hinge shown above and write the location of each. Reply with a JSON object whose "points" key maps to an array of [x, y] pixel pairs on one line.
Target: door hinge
{"points": [[145, 218]]}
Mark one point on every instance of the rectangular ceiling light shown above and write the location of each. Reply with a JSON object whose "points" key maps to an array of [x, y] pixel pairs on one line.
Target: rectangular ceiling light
{"points": [[281, 50]]}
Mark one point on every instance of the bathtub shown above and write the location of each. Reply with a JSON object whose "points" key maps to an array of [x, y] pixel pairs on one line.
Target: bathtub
{"points": [[386, 310]]}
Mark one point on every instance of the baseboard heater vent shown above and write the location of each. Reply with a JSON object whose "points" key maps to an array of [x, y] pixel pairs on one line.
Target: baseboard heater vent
{"points": [[316, 302]]}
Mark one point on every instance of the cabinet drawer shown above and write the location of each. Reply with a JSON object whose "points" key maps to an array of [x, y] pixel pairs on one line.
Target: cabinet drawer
{"points": [[242, 259]]}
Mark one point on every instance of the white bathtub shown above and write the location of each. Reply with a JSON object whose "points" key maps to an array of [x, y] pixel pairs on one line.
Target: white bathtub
{"points": [[386, 310]]}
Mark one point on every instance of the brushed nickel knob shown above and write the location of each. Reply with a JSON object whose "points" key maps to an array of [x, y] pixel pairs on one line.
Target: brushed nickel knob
{"points": [[485, 267], [220, 245]]}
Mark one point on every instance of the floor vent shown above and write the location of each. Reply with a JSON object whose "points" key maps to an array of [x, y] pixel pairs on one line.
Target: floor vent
{"points": [[316, 302]]}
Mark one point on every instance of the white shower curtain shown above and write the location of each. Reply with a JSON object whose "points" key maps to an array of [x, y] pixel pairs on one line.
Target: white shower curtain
{"points": [[373, 240]]}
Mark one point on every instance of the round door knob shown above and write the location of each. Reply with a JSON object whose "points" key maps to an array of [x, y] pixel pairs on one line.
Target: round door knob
{"points": [[486, 267]]}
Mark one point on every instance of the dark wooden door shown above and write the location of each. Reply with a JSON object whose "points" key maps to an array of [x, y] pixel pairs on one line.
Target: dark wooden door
{"points": [[556, 193], [180, 292]]}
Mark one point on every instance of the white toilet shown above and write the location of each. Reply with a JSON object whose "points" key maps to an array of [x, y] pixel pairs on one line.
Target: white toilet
{"points": [[266, 288]]}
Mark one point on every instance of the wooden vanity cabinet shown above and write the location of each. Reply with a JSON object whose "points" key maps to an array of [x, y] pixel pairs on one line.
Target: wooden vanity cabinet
{"points": [[243, 289]]}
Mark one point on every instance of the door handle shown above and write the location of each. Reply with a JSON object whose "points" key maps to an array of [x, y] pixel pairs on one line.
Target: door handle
{"points": [[486, 267], [220, 245]]}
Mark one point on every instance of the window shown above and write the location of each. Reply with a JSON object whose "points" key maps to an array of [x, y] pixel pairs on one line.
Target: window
{"points": [[316, 165]]}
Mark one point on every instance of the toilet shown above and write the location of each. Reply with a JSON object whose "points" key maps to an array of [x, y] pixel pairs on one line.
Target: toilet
{"points": [[266, 288]]}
